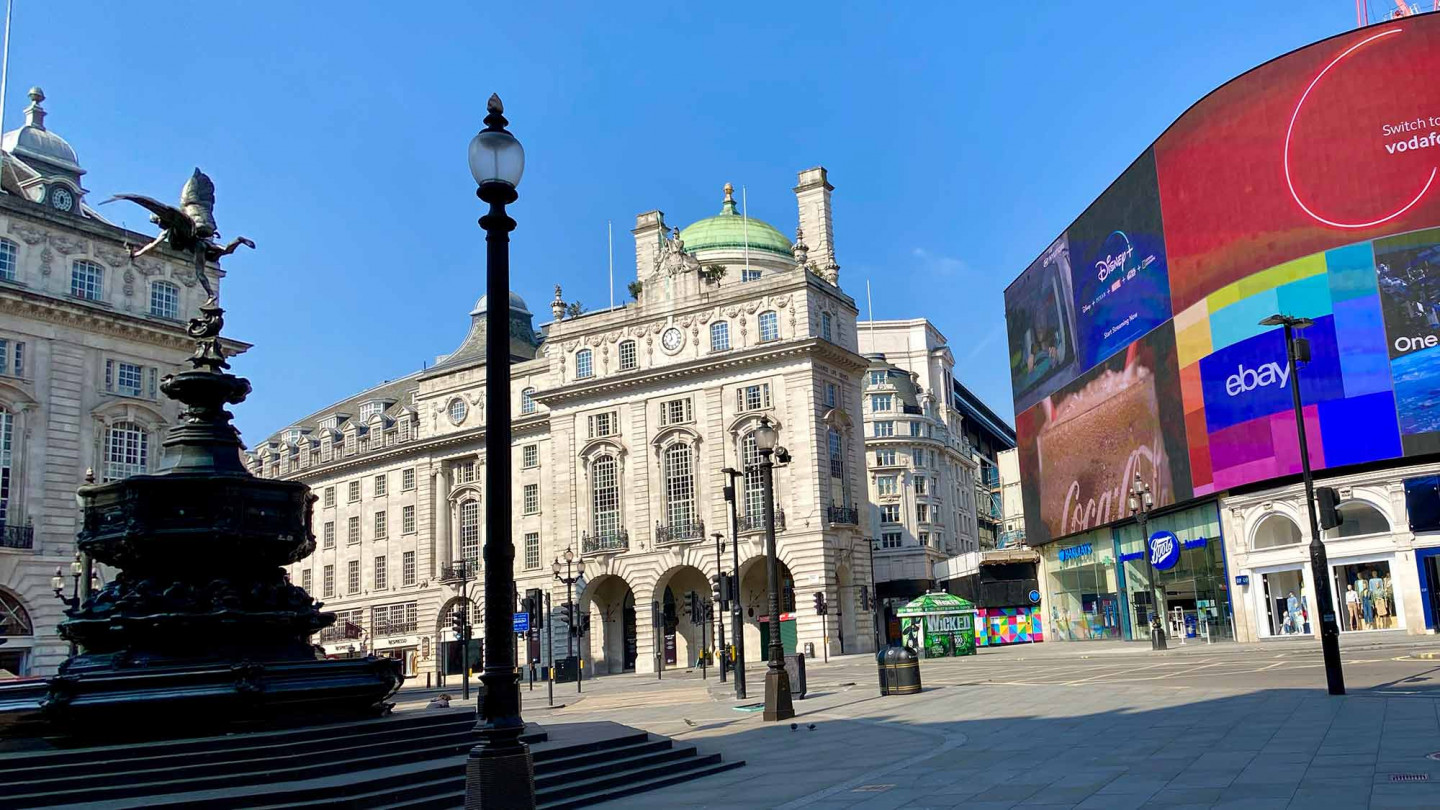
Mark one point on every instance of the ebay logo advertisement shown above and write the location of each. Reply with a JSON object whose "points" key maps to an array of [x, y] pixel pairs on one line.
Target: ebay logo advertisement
{"points": [[1251, 379]]}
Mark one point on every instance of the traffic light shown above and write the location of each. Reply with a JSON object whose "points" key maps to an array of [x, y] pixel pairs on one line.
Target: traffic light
{"points": [[584, 623], [1327, 499], [820, 607], [693, 602], [716, 588], [864, 597], [457, 623], [534, 605]]}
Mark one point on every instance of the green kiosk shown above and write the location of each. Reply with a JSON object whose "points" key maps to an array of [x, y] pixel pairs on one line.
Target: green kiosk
{"points": [[938, 625]]}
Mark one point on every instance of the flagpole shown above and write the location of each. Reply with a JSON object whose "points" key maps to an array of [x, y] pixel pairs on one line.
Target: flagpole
{"points": [[869, 305], [745, 229], [610, 241], [5, 72]]}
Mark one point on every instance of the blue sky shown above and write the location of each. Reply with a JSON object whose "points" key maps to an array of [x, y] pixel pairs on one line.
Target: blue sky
{"points": [[961, 138]]}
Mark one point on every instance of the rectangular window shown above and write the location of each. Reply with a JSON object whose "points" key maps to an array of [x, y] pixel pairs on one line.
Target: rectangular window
{"points": [[914, 428], [12, 358], [329, 581], [380, 482], [832, 395], [719, 336], [407, 568], [675, 411], [919, 455], [827, 329], [369, 409], [465, 472], [749, 274], [404, 428], [924, 538], [880, 402], [922, 513], [890, 513], [352, 530], [382, 525], [877, 378], [407, 479], [381, 575], [885, 484], [769, 327], [885, 457], [883, 429], [165, 300], [129, 379], [353, 492], [352, 577], [9, 253], [407, 520], [329, 534], [307, 578], [627, 355], [920, 484], [87, 280], [753, 397], [532, 550], [530, 455], [329, 497], [532, 498], [603, 424], [890, 539], [584, 366]]}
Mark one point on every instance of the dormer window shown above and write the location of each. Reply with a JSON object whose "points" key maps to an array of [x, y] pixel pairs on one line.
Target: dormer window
{"points": [[371, 408], [291, 436]]}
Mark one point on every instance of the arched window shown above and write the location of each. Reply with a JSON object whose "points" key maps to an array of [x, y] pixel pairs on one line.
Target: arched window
{"points": [[719, 336], [7, 460], [754, 479], [165, 300], [769, 326], [87, 280], [838, 489], [470, 530], [827, 326], [14, 618], [584, 364], [627, 355], [605, 486], [127, 450], [1275, 531], [527, 400], [679, 486], [456, 410], [9, 260], [1360, 518]]}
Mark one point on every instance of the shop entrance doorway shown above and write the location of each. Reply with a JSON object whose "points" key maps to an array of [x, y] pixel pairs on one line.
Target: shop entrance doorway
{"points": [[1430, 575], [1285, 603]]}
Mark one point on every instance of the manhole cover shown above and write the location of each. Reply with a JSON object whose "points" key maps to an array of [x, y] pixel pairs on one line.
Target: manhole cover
{"points": [[871, 788], [1410, 777]]}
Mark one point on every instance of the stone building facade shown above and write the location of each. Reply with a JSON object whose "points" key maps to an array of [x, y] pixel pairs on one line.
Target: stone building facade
{"points": [[625, 421], [86, 334]]}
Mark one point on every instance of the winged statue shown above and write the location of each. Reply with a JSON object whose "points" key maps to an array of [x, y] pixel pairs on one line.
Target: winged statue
{"points": [[190, 228]]}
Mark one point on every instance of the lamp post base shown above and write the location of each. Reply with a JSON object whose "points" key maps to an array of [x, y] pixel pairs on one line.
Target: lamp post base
{"points": [[1157, 636], [503, 781], [778, 705]]}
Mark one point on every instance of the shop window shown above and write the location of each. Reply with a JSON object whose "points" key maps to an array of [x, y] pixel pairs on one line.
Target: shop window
{"points": [[1360, 518], [1275, 531], [1367, 595]]}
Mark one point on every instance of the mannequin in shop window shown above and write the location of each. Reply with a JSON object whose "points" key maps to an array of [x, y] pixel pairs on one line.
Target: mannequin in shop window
{"points": [[1382, 604], [1292, 614], [1352, 607], [1367, 606], [1390, 601]]}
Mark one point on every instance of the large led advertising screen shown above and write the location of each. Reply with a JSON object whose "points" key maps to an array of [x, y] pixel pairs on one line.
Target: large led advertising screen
{"points": [[1306, 186]]}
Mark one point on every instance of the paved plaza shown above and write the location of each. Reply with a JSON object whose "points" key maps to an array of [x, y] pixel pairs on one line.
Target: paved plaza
{"points": [[1089, 726]]}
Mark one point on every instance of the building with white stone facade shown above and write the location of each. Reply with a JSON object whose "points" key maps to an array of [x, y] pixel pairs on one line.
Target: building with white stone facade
{"points": [[625, 421], [86, 334]]}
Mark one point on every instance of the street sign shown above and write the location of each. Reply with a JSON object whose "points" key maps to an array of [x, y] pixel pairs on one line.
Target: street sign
{"points": [[522, 622]]}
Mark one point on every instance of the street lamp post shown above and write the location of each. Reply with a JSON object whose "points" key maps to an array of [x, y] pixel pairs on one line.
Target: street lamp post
{"points": [[499, 772], [737, 611], [721, 598], [1297, 350], [1141, 501], [571, 623], [79, 594], [778, 704]]}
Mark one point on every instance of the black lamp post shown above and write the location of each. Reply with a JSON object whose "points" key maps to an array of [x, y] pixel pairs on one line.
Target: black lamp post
{"points": [[499, 772], [778, 704], [77, 596], [1141, 501], [1297, 350], [464, 574], [721, 600], [736, 609], [572, 622]]}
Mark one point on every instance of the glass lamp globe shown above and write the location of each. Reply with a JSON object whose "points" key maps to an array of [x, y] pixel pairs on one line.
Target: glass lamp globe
{"points": [[57, 582], [569, 555], [765, 436], [555, 568], [496, 157]]}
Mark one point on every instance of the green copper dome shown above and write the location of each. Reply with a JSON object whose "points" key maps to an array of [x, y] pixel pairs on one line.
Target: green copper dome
{"points": [[730, 230]]}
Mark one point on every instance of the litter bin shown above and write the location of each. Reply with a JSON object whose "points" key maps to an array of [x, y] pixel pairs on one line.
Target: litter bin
{"points": [[795, 666], [899, 671]]}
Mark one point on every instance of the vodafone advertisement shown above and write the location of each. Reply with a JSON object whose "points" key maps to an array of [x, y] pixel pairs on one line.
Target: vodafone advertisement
{"points": [[1307, 186]]}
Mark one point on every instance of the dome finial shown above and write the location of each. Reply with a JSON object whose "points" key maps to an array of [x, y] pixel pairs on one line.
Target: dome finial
{"points": [[557, 307], [728, 207], [35, 114]]}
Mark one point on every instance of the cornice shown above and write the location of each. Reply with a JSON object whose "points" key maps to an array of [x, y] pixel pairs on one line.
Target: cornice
{"points": [[529, 426], [22, 302]]}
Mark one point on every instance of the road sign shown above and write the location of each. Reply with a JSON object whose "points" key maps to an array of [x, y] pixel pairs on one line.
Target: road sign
{"points": [[522, 622]]}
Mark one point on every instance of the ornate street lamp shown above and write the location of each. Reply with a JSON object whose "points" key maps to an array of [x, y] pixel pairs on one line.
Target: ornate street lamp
{"points": [[1141, 501], [499, 772], [572, 622], [778, 704], [1297, 351]]}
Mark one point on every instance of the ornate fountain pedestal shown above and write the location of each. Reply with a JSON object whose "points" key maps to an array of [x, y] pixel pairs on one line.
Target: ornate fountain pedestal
{"points": [[201, 627]]}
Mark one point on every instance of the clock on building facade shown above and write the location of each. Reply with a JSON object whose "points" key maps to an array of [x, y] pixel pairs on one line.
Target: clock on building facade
{"points": [[672, 340], [61, 199]]}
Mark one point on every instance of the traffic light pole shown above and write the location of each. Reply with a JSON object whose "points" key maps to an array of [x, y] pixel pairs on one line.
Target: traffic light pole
{"points": [[550, 648], [721, 600], [737, 612], [465, 653]]}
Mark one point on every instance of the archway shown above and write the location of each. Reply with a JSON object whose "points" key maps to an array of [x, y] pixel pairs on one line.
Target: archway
{"points": [[682, 638], [610, 644], [755, 605], [452, 658], [14, 621], [846, 609]]}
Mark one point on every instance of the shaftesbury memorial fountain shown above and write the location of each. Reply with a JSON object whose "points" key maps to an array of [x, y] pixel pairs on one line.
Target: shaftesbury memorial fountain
{"points": [[201, 625]]}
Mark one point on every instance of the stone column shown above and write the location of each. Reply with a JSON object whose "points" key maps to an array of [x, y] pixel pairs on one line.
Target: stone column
{"points": [[441, 495]]}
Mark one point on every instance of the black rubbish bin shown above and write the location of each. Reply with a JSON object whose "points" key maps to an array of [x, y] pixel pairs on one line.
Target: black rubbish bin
{"points": [[795, 666], [566, 669], [899, 671]]}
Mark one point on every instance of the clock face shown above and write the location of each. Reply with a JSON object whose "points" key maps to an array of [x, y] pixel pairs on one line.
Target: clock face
{"points": [[672, 339], [61, 199]]}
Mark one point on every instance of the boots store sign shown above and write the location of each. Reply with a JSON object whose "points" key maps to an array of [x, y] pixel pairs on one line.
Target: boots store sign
{"points": [[1164, 550]]}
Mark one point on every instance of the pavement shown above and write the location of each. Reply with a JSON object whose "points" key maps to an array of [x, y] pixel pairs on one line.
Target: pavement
{"points": [[1078, 725]]}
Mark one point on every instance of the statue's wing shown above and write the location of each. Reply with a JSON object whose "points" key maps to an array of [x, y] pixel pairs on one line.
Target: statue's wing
{"points": [[167, 214]]}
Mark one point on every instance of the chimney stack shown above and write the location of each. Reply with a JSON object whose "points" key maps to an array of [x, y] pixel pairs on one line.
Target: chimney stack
{"points": [[649, 241], [812, 196]]}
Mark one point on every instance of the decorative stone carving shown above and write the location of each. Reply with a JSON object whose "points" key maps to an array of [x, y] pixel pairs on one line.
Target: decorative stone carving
{"points": [[67, 246], [111, 256], [45, 258], [27, 234]]}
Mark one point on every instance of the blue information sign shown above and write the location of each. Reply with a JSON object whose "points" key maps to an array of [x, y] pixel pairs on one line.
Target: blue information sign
{"points": [[1164, 550], [1034, 597], [522, 622]]}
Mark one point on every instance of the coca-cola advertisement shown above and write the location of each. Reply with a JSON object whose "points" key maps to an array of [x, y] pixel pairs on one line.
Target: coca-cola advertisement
{"points": [[1081, 447]]}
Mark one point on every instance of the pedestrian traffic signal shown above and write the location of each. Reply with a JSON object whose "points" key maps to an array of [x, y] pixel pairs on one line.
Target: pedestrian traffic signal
{"points": [[535, 603], [820, 607], [1328, 499]]}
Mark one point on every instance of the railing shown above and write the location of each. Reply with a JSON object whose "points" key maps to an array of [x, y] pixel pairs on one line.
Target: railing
{"points": [[462, 571], [843, 515], [17, 536], [606, 543], [756, 522], [393, 629], [679, 533], [340, 632]]}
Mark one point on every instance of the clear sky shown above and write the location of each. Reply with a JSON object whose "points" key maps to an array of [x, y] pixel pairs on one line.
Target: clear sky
{"points": [[960, 137]]}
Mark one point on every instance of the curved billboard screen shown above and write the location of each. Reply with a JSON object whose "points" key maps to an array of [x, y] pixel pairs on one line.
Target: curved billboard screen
{"points": [[1307, 186]]}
